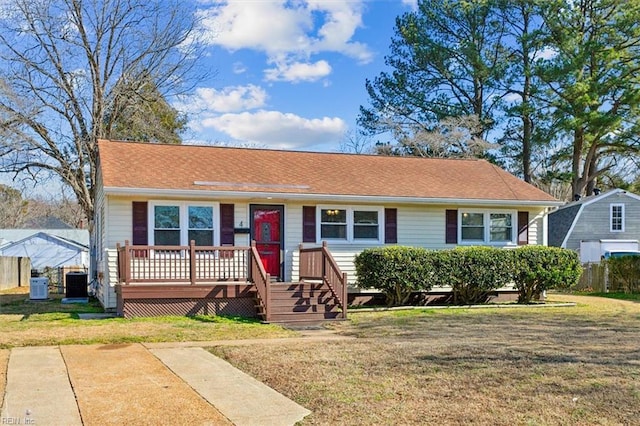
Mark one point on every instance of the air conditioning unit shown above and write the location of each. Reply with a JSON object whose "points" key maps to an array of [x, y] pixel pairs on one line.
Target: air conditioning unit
{"points": [[39, 288]]}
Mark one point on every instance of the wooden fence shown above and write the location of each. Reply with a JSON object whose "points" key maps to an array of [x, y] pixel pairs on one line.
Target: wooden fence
{"points": [[14, 272]]}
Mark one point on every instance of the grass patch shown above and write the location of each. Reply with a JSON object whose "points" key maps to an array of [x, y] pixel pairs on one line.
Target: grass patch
{"points": [[35, 323], [576, 365], [619, 296]]}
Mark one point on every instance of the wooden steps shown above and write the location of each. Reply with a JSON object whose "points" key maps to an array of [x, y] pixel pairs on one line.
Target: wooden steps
{"points": [[303, 303]]}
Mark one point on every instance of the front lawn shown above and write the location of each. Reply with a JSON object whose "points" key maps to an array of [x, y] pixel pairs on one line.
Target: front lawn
{"points": [[33, 323], [619, 296], [578, 365]]}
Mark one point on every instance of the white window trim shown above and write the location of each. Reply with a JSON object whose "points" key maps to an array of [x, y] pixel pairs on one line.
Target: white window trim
{"points": [[487, 229], [350, 224], [611, 206], [184, 219]]}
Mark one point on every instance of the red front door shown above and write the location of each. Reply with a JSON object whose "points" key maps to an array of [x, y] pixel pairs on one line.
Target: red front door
{"points": [[266, 229]]}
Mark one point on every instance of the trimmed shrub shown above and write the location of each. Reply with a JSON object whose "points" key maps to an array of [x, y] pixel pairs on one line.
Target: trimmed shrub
{"points": [[624, 274], [539, 268], [396, 271], [472, 272]]}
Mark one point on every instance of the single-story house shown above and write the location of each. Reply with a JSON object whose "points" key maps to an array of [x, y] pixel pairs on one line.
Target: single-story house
{"points": [[152, 200], [51, 248], [597, 223]]}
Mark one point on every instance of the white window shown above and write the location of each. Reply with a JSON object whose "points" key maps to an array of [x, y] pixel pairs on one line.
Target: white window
{"points": [[177, 223], [350, 224], [616, 217], [333, 224], [486, 227]]}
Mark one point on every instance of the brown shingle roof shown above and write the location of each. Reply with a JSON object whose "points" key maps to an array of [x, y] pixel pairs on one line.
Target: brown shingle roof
{"points": [[208, 168]]}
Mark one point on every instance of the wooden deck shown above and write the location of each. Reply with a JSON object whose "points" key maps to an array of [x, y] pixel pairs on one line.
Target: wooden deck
{"points": [[192, 280]]}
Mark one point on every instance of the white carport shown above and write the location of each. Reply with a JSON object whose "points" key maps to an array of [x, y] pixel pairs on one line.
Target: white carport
{"points": [[48, 250]]}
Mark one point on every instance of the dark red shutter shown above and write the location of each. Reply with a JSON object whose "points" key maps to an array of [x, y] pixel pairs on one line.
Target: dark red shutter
{"points": [[309, 224], [140, 232], [451, 231], [227, 235], [390, 226], [523, 228]]}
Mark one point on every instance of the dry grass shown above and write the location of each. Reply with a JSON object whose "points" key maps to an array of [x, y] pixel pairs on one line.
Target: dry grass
{"points": [[500, 367], [29, 323]]}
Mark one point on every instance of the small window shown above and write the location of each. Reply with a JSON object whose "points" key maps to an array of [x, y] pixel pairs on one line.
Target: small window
{"points": [[487, 227], [617, 217], [166, 230], [333, 224], [472, 227], [500, 228], [201, 225], [365, 225]]}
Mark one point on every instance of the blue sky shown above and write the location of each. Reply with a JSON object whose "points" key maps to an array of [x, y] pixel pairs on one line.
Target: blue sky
{"points": [[288, 74]]}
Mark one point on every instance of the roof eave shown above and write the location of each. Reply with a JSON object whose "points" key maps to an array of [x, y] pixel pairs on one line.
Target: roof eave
{"points": [[188, 193]]}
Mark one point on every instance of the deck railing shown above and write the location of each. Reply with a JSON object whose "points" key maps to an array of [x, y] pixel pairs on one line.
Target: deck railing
{"points": [[182, 264], [261, 280], [318, 264]]}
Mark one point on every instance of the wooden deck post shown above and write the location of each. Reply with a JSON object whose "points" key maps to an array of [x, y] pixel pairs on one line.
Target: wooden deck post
{"points": [[127, 263], [192, 262], [345, 296]]}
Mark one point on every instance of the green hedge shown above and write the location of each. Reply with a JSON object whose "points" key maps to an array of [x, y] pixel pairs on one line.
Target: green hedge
{"points": [[624, 274], [538, 268], [396, 271], [473, 273]]}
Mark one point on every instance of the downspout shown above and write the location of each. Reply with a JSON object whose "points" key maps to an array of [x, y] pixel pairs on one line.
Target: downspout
{"points": [[545, 226]]}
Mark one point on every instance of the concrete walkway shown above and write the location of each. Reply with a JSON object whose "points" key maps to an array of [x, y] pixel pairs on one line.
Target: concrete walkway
{"points": [[242, 399], [133, 384], [38, 389]]}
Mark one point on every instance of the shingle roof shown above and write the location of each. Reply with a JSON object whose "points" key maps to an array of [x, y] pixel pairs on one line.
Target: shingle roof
{"points": [[209, 168]]}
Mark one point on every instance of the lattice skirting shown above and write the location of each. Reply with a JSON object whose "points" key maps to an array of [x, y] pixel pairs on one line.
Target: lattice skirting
{"points": [[244, 307]]}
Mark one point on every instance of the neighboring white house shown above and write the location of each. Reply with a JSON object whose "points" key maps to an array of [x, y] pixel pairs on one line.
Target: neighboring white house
{"points": [[47, 247], [595, 224], [155, 194]]}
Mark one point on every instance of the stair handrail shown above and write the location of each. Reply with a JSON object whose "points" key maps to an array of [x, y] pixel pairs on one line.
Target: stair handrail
{"points": [[261, 280], [331, 274]]}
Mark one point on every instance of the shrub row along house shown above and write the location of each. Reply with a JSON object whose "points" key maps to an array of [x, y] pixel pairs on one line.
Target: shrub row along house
{"points": [[152, 200]]}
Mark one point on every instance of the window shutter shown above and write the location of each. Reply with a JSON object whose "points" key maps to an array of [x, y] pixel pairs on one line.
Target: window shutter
{"points": [[523, 228], [390, 226], [451, 228], [139, 223], [309, 224], [227, 235]]}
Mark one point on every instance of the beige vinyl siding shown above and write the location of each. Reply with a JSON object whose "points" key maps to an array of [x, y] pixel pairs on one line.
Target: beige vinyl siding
{"points": [[119, 220], [240, 214], [537, 220], [418, 226], [292, 240], [106, 293]]}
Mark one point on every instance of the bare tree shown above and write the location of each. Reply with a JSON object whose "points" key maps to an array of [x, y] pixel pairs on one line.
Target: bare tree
{"points": [[71, 68], [453, 137], [356, 142], [13, 208]]}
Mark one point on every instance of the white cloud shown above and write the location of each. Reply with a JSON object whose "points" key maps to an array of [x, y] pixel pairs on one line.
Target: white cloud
{"points": [[288, 32], [513, 97], [207, 100], [298, 71], [413, 4], [277, 129], [239, 68], [546, 53]]}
